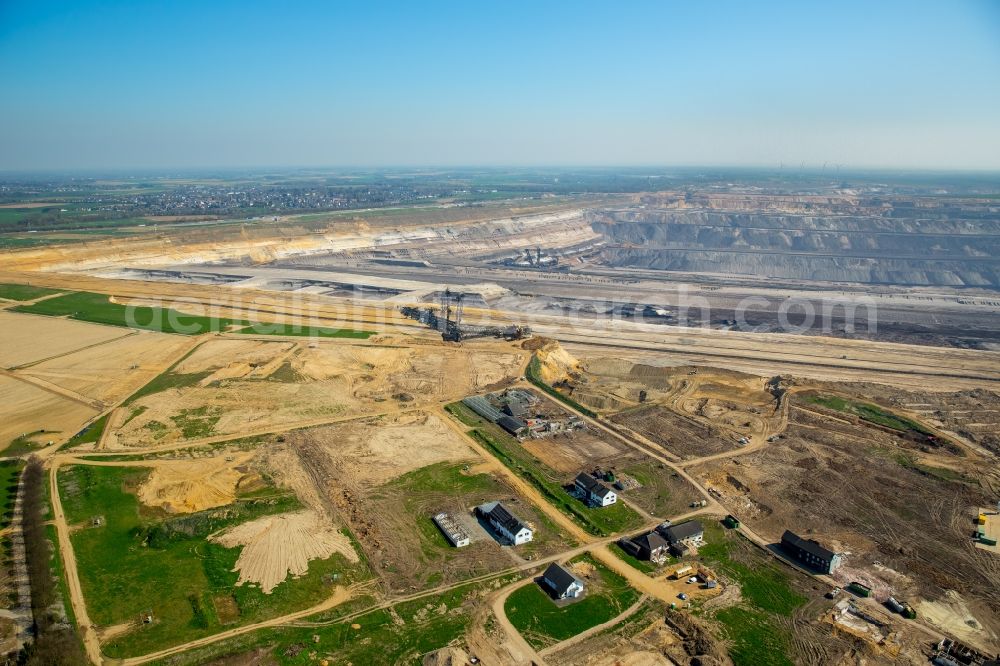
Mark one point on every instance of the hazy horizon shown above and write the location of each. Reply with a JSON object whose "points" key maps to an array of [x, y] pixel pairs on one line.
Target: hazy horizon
{"points": [[185, 86]]}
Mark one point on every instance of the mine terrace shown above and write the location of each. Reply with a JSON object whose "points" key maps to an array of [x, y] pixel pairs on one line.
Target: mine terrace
{"points": [[426, 418]]}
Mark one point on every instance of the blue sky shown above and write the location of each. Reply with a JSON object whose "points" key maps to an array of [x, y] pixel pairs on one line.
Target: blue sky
{"points": [[176, 84]]}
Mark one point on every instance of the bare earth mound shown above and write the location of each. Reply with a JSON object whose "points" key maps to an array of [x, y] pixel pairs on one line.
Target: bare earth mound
{"points": [[276, 546], [186, 486]]}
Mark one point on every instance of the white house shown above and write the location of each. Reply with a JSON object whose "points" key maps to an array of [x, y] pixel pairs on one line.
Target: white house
{"points": [[505, 523], [593, 491], [563, 584]]}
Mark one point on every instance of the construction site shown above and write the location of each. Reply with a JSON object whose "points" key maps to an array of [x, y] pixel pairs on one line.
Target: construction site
{"points": [[353, 383]]}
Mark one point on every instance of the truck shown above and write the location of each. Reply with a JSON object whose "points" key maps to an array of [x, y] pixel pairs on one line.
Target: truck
{"points": [[859, 589]]}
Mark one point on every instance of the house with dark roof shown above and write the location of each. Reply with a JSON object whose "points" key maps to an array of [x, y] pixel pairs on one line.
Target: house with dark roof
{"points": [[684, 537], [562, 583], [514, 426], [652, 547], [506, 524], [516, 409], [593, 491], [809, 553]]}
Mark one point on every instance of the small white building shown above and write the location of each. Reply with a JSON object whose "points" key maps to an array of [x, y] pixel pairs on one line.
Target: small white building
{"points": [[452, 530]]}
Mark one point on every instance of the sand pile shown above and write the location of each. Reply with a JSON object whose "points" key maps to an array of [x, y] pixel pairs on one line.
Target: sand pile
{"points": [[186, 486], [276, 546]]}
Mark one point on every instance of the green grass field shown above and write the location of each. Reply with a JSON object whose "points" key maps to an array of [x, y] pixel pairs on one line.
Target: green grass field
{"points": [[305, 332], [10, 472], [27, 443], [98, 309], [757, 628], [447, 486], [141, 559], [24, 292], [601, 521], [868, 412], [402, 634], [533, 612]]}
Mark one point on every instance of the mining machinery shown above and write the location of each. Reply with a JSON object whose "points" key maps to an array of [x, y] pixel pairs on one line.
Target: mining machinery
{"points": [[448, 320]]}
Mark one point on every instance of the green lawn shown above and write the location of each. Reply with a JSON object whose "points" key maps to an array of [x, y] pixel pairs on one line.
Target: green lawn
{"points": [[757, 628], [27, 443], [868, 412], [141, 559], [533, 612], [305, 331], [98, 309], [601, 521], [756, 640], [24, 292], [400, 635], [60, 573]]}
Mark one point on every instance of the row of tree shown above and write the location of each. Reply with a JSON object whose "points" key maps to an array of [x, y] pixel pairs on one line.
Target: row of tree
{"points": [[56, 643]]}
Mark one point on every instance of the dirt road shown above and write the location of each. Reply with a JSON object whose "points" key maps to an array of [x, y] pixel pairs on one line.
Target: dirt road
{"points": [[91, 641], [54, 389], [520, 650], [340, 595], [584, 635], [259, 432], [520, 484]]}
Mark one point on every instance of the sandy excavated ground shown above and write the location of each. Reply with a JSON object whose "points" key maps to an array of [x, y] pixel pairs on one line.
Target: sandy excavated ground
{"points": [[273, 546], [634, 659], [186, 486], [232, 359], [31, 338], [325, 380], [25, 408], [904, 531], [952, 614], [372, 452], [113, 370], [316, 464], [569, 453], [276, 546]]}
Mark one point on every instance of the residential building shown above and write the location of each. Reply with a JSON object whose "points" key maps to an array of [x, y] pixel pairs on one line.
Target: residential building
{"points": [[505, 523], [652, 547], [810, 553], [683, 538], [593, 491], [562, 582]]}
